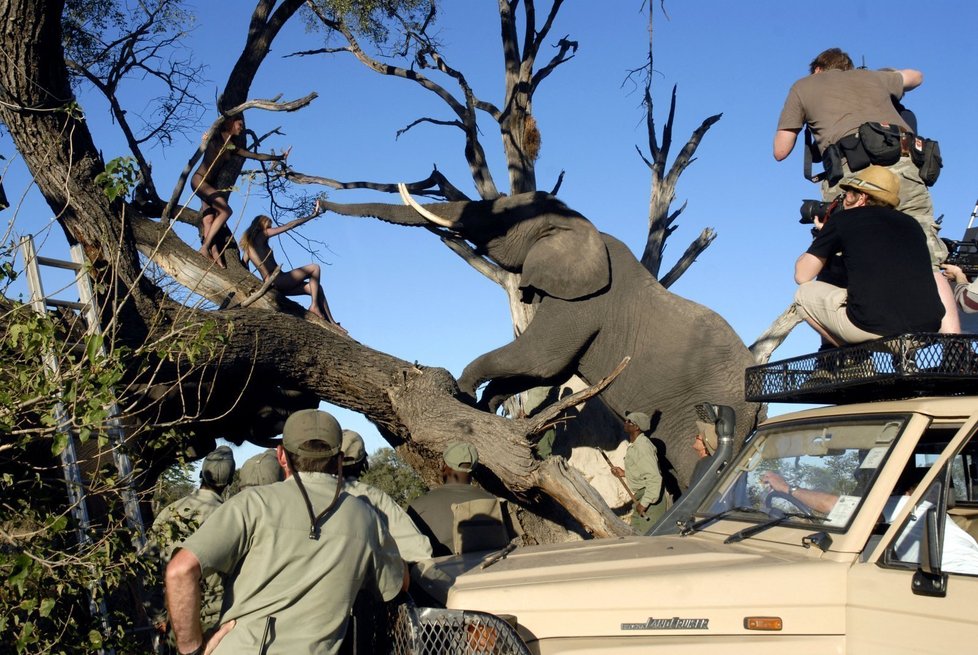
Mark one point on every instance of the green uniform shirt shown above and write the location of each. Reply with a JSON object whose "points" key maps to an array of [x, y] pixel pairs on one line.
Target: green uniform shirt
{"points": [[434, 509], [260, 538], [642, 471], [172, 525], [411, 544]]}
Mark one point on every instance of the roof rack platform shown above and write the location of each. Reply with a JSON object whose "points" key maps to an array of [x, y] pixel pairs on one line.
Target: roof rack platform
{"points": [[891, 368]]}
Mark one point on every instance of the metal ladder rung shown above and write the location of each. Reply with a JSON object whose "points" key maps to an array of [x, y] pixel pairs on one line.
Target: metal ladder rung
{"points": [[58, 263], [68, 304]]}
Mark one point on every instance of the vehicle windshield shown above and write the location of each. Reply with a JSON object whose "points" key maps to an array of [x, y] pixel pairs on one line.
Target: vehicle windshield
{"points": [[819, 470]]}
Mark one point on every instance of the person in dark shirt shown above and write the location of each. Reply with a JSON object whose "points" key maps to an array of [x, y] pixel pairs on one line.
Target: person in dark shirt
{"points": [[891, 286]]}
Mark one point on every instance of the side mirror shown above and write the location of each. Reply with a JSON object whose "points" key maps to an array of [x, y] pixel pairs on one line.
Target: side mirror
{"points": [[929, 580]]}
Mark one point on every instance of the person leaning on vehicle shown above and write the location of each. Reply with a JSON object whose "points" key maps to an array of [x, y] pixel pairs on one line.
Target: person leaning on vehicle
{"points": [[295, 554], [836, 101], [890, 290]]}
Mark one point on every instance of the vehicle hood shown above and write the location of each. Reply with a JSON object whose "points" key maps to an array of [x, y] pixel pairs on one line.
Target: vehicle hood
{"points": [[667, 585]]}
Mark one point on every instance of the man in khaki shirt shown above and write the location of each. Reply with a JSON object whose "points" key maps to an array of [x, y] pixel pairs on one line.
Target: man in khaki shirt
{"points": [[642, 473], [182, 518], [296, 553]]}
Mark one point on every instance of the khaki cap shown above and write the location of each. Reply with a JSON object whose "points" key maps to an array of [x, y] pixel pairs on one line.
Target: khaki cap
{"points": [[641, 419], [312, 425], [354, 450], [875, 181], [261, 469], [461, 456], [218, 467], [709, 433]]}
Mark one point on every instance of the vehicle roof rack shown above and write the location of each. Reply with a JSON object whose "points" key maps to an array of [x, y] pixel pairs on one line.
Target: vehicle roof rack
{"points": [[891, 368]]}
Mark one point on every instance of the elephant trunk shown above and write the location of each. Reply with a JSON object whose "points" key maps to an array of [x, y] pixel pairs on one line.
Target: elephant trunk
{"points": [[445, 214]]}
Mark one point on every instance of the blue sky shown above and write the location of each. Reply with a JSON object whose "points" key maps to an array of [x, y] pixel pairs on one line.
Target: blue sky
{"points": [[400, 291]]}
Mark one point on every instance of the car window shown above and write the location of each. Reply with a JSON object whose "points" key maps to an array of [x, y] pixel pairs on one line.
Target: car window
{"points": [[836, 459]]}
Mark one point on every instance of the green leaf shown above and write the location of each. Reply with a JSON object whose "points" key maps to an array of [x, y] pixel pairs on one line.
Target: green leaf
{"points": [[95, 638], [93, 347], [46, 606], [59, 443]]}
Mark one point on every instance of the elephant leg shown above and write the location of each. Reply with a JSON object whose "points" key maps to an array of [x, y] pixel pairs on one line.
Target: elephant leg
{"points": [[549, 347]]}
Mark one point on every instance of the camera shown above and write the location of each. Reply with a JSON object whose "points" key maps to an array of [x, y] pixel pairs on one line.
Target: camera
{"points": [[812, 209]]}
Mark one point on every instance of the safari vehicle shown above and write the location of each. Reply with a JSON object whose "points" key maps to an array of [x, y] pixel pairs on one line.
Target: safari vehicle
{"points": [[739, 567]]}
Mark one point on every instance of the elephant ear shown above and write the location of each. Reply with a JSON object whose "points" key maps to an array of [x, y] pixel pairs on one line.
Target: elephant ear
{"points": [[568, 262]]}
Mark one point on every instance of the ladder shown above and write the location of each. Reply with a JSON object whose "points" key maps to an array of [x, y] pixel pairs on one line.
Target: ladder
{"points": [[116, 435]]}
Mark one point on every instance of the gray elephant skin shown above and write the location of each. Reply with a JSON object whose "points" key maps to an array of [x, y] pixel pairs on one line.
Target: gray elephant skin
{"points": [[596, 305]]}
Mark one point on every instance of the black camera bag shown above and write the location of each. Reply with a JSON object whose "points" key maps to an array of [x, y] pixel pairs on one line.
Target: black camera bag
{"points": [[881, 141], [926, 155], [851, 147]]}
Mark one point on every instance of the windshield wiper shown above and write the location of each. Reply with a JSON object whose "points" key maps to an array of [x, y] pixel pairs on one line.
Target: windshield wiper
{"points": [[688, 529], [761, 527]]}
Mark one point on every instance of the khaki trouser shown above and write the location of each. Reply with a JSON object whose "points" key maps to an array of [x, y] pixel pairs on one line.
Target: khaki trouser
{"points": [[825, 304], [652, 514]]}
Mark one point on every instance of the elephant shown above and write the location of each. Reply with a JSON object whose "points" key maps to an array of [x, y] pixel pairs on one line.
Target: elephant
{"points": [[596, 304]]}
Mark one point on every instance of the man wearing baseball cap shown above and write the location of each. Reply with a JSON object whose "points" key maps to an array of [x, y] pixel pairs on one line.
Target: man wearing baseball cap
{"points": [[411, 544], [295, 554], [432, 512], [705, 445], [642, 473], [891, 288], [260, 469], [182, 518]]}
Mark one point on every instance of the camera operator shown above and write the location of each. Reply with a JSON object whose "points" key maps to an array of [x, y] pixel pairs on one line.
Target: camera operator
{"points": [[851, 115], [891, 288], [965, 293]]}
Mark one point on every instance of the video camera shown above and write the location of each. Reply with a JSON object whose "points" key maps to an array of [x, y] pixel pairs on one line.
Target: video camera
{"points": [[812, 209], [964, 254]]}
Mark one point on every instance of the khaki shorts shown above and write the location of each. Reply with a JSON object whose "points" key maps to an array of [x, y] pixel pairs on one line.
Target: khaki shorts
{"points": [[825, 305]]}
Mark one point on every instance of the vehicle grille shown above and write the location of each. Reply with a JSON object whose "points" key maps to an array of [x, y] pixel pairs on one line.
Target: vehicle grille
{"points": [[431, 631]]}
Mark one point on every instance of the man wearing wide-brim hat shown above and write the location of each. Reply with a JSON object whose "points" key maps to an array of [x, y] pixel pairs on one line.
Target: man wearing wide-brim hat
{"points": [[296, 553], [891, 288]]}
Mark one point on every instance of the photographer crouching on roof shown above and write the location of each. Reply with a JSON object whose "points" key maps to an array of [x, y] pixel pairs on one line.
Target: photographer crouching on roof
{"points": [[850, 115], [891, 288]]}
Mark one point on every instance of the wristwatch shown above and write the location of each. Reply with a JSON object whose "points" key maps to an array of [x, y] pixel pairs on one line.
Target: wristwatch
{"points": [[792, 489]]}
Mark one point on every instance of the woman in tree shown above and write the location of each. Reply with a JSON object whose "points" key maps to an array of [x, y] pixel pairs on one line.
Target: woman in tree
{"points": [[302, 280], [214, 205]]}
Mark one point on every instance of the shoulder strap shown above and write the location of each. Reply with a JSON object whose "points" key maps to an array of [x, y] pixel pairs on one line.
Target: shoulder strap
{"points": [[811, 153]]}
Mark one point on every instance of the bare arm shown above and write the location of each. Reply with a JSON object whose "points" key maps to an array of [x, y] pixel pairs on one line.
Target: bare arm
{"points": [[819, 501], [261, 156], [784, 143], [183, 600], [911, 78], [272, 231], [807, 267]]}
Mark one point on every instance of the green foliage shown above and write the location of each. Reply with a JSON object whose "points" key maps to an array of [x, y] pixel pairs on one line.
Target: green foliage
{"points": [[48, 577], [118, 178], [370, 19], [175, 483], [390, 474]]}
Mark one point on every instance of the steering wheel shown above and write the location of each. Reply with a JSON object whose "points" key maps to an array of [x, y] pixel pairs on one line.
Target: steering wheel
{"points": [[788, 498]]}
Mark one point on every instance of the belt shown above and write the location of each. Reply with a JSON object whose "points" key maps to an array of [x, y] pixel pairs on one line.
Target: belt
{"points": [[906, 143]]}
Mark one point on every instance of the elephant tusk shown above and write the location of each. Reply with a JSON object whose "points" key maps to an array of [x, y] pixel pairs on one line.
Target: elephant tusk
{"points": [[411, 202]]}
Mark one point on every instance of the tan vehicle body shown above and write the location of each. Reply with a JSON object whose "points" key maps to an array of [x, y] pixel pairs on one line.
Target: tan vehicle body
{"points": [[697, 594]]}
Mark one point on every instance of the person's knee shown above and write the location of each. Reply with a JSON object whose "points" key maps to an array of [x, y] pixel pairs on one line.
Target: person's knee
{"points": [[314, 270]]}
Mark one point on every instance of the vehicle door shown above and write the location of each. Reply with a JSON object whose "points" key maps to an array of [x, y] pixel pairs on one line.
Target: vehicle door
{"points": [[917, 592]]}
